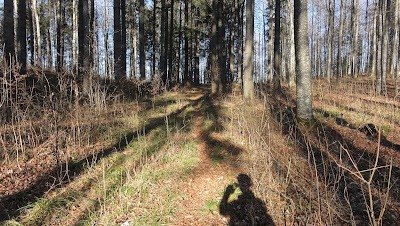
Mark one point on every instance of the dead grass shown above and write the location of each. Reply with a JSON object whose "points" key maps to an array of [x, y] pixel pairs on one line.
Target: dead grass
{"points": [[108, 162]]}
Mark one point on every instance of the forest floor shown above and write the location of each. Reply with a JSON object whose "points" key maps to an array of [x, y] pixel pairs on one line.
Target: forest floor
{"points": [[186, 158]]}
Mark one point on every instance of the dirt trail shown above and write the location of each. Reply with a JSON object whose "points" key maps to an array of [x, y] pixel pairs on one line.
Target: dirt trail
{"points": [[206, 184]]}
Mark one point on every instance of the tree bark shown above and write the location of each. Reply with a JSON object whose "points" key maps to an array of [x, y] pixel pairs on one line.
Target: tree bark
{"points": [[83, 36], [240, 43], [303, 68], [123, 39], [340, 41], [355, 22], [331, 15], [215, 47], [197, 50], [277, 48], [231, 48], [142, 54], [292, 58], [59, 57], [221, 45], [248, 85], [117, 40], [270, 41], [171, 43], [164, 42], [21, 35], [74, 35], [153, 70], [186, 79], [396, 40], [179, 76], [385, 30], [8, 34], [379, 70], [38, 52], [374, 41]]}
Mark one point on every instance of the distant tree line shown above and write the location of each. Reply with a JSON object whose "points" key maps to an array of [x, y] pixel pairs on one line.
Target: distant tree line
{"points": [[170, 40]]}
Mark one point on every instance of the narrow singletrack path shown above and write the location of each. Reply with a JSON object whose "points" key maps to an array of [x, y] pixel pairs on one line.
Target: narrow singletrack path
{"points": [[206, 184]]}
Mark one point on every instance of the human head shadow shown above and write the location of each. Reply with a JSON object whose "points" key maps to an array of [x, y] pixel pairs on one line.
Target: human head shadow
{"points": [[246, 209]]}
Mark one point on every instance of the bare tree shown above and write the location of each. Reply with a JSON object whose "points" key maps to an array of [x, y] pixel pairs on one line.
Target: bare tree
{"points": [[395, 39], [38, 40], [340, 42], [142, 56], [355, 26], [331, 13], [292, 58], [303, 68], [248, 85], [277, 47], [21, 35], [240, 42], [186, 78], [74, 35], [117, 40], [83, 35], [171, 43], [8, 34], [164, 42]]}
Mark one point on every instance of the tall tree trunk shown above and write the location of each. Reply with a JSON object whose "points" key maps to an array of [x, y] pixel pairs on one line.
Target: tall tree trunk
{"points": [[186, 78], [270, 41], [292, 59], [355, 22], [197, 49], [31, 35], [117, 40], [379, 70], [374, 41], [221, 45], [83, 36], [330, 39], [123, 39], [142, 54], [385, 30], [340, 41], [232, 30], [164, 41], [303, 68], [171, 43], [59, 34], [396, 40], [153, 70], [74, 35], [214, 46], [240, 43], [21, 35], [38, 39], [92, 31], [277, 47], [133, 50], [8, 34], [179, 76], [248, 85], [107, 56]]}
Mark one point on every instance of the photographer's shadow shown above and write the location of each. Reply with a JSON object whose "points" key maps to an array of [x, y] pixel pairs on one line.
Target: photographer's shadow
{"points": [[246, 209]]}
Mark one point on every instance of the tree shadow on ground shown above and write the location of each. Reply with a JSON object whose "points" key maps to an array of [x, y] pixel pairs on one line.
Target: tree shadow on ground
{"points": [[219, 151], [331, 145], [246, 209], [11, 205]]}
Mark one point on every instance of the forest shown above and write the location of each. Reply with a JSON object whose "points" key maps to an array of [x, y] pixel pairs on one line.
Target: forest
{"points": [[199, 112]]}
